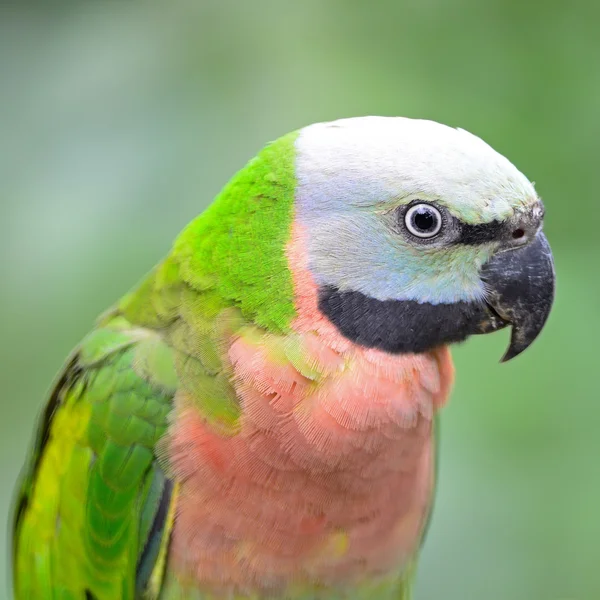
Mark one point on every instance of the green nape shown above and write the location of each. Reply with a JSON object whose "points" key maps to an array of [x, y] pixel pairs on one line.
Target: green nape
{"points": [[228, 268], [237, 246]]}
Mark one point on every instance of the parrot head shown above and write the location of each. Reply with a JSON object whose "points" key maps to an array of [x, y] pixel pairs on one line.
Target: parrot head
{"points": [[419, 235]]}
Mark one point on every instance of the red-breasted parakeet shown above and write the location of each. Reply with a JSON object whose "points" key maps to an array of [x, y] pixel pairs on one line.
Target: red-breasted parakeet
{"points": [[256, 419]]}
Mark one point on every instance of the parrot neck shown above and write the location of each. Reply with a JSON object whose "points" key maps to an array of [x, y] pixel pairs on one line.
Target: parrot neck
{"points": [[311, 320]]}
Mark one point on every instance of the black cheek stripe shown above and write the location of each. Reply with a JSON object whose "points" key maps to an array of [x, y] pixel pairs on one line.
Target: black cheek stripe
{"points": [[399, 326]]}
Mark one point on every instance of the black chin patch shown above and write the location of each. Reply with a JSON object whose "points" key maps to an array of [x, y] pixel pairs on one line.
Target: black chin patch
{"points": [[399, 326]]}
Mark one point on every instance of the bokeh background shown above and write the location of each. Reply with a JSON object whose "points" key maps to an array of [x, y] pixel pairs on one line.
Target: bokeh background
{"points": [[120, 121]]}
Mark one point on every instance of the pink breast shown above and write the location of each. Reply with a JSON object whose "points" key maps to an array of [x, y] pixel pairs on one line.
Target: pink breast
{"points": [[330, 476]]}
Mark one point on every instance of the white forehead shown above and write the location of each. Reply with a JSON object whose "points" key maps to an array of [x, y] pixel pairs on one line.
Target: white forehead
{"points": [[371, 160]]}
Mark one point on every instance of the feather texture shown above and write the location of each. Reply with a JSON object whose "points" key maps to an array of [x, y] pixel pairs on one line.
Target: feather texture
{"points": [[90, 498]]}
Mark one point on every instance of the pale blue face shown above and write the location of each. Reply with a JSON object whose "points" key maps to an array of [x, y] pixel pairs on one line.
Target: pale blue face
{"points": [[355, 180]]}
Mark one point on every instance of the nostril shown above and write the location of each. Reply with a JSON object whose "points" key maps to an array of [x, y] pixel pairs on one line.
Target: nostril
{"points": [[518, 234]]}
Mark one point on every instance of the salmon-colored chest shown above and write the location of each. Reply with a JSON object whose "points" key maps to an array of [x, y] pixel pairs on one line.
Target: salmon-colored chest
{"points": [[326, 482]]}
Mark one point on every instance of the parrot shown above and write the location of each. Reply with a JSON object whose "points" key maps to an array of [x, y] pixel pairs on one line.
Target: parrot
{"points": [[257, 419]]}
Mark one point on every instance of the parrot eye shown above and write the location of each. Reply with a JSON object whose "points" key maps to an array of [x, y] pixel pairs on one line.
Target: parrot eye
{"points": [[423, 220]]}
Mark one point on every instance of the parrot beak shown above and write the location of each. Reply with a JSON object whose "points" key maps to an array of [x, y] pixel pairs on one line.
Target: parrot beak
{"points": [[520, 284]]}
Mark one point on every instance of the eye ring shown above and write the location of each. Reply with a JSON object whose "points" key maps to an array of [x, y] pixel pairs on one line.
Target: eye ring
{"points": [[423, 220]]}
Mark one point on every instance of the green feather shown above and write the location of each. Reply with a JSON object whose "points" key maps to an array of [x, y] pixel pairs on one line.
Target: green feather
{"points": [[248, 269], [89, 494]]}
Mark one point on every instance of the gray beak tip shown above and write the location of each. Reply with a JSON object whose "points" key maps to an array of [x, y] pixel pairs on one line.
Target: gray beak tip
{"points": [[510, 353]]}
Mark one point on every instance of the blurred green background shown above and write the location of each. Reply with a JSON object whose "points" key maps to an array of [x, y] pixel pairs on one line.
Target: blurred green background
{"points": [[120, 121]]}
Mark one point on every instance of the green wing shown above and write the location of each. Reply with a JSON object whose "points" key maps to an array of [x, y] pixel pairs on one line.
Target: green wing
{"points": [[94, 509]]}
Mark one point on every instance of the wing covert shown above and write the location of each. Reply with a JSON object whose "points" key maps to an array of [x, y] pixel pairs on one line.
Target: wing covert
{"points": [[93, 509]]}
